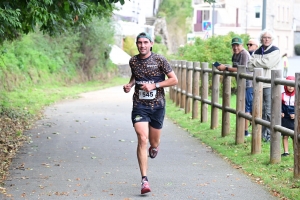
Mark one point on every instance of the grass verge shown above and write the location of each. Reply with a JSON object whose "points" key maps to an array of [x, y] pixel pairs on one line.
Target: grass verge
{"points": [[277, 177]]}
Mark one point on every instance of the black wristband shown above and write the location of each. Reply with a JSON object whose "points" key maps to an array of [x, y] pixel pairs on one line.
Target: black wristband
{"points": [[226, 68]]}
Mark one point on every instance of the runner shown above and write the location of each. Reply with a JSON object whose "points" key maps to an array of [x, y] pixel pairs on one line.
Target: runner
{"points": [[148, 76]]}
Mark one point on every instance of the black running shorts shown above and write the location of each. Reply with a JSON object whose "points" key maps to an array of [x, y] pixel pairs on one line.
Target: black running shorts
{"points": [[155, 117]]}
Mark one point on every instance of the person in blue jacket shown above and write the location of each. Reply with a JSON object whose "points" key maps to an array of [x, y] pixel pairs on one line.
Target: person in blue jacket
{"points": [[287, 113]]}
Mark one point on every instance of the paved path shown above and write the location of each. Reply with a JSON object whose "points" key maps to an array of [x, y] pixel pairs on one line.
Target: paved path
{"points": [[85, 149]]}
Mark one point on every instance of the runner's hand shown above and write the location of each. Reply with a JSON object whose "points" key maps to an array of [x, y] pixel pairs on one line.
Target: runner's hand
{"points": [[148, 87], [127, 88]]}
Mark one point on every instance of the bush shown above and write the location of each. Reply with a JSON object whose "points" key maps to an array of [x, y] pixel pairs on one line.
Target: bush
{"points": [[129, 46], [215, 48], [158, 39], [297, 49]]}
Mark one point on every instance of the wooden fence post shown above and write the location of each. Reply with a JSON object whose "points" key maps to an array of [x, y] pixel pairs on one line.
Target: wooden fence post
{"points": [[183, 83], [297, 128], [215, 99], [275, 142], [204, 92], [176, 86], [196, 77], [240, 105], [179, 89], [256, 112], [226, 103], [171, 88], [188, 86]]}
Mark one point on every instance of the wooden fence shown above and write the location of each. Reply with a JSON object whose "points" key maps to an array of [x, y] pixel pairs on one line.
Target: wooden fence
{"points": [[192, 91]]}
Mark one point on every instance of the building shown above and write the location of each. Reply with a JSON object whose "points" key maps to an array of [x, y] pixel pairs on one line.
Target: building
{"points": [[245, 17], [131, 18]]}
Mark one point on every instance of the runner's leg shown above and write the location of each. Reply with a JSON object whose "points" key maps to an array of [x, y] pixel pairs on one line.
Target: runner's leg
{"points": [[154, 136], [142, 131]]}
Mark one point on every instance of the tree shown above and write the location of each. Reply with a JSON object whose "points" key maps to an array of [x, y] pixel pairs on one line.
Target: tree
{"points": [[50, 16]]}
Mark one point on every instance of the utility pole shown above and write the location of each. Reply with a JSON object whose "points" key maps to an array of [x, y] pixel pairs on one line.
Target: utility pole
{"points": [[213, 20], [264, 14]]}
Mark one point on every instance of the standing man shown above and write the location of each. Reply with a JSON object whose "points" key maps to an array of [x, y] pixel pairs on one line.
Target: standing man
{"points": [[241, 57], [148, 76], [252, 45], [267, 56]]}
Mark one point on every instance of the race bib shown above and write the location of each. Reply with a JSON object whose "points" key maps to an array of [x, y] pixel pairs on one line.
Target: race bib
{"points": [[147, 95]]}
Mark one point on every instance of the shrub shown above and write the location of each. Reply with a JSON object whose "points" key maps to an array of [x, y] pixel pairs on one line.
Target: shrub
{"points": [[297, 49], [158, 39], [129, 46]]}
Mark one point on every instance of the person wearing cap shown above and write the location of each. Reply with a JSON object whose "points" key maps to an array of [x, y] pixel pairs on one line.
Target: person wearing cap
{"points": [[267, 57], [148, 76], [240, 57]]}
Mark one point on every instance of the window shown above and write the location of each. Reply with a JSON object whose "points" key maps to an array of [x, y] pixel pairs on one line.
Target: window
{"points": [[257, 12], [205, 15]]}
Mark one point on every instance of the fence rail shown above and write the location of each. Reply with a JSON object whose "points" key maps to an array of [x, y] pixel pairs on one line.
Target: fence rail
{"points": [[192, 91]]}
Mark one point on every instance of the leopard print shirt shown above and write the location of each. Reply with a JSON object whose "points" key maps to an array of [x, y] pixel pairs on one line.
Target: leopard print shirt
{"points": [[150, 70]]}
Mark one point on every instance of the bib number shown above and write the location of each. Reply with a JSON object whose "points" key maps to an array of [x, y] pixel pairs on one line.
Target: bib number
{"points": [[147, 95]]}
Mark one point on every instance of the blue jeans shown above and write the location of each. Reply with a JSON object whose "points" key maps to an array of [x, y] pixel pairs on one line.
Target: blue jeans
{"points": [[266, 113], [249, 100]]}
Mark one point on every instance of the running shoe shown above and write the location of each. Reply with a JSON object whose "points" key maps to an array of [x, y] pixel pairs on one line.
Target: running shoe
{"points": [[285, 154], [153, 152], [145, 187]]}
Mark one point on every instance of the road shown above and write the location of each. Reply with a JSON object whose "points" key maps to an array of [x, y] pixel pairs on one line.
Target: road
{"points": [[86, 149]]}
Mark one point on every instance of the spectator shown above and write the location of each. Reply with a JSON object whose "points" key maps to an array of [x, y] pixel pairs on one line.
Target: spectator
{"points": [[285, 63], [267, 56], [240, 57], [252, 45], [287, 113]]}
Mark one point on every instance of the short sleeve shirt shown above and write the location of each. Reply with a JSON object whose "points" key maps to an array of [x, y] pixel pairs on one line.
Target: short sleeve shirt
{"points": [[242, 59], [150, 70]]}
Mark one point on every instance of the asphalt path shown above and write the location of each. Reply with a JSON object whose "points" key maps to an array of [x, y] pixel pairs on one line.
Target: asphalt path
{"points": [[85, 148]]}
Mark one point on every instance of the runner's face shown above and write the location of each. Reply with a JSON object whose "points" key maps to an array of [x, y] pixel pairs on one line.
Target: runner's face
{"points": [[144, 45]]}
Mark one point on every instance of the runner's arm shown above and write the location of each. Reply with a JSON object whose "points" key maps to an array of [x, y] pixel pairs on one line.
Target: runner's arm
{"points": [[131, 83]]}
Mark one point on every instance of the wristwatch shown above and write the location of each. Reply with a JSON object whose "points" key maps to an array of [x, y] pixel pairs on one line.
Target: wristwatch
{"points": [[157, 85], [226, 68]]}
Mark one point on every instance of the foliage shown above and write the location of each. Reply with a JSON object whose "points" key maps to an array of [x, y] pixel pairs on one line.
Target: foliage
{"points": [[158, 39], [52, 16], [160, 49], [75, 56], [95, 44], [297, 49], [177, 12], [215, 48], [129, 46]]}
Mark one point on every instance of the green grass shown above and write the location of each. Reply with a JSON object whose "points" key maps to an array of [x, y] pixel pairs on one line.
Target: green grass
{"points": [[277, 177], [34, 99]]}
